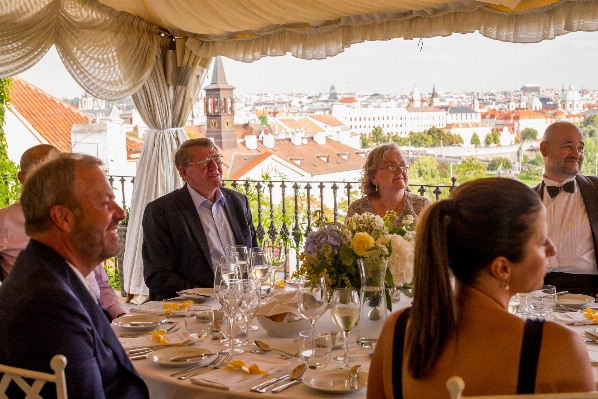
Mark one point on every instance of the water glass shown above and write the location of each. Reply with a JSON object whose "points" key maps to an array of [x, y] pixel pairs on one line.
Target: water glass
{"points": [[542, 302], [315, 351], [199, 320]]}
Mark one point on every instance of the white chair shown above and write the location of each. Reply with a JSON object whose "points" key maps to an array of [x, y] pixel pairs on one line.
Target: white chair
{"points": [[456, 385], [58, 363]]}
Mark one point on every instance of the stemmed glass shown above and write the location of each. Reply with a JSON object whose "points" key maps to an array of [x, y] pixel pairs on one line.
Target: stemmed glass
{"points": [[250, 301], [225, 276], [259, 269], [345, 312], [542, 301], [312, 300], [238, 256], [275, 256]]}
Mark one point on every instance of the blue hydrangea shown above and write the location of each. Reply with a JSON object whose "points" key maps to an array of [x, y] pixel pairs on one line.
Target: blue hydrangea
{"points": [[324, 237]]}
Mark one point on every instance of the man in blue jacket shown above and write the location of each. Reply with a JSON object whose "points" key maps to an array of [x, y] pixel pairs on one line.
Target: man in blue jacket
{"points": [[46, 305]]}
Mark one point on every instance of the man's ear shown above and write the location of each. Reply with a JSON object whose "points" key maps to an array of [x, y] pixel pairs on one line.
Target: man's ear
{"points": [[183, 172], [543, 148], [63, 218]]}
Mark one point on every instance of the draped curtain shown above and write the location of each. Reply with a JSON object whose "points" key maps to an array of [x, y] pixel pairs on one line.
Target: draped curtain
{"points": [[164, 102], [95, 43]]}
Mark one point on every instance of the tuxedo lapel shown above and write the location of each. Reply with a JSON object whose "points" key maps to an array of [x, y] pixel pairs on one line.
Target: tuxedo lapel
{"points": [[187, 207], [232, 218], [589, 193]]}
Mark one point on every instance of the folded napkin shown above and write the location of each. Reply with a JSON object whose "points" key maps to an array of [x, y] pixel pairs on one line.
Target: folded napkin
{"points": [[148, 340], [228, 378], [593, 357], [285, 302], [572, 318], [161, 308]]}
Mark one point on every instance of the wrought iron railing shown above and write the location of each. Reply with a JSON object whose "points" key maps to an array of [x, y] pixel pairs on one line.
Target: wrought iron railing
{"points": [[292, 218]]}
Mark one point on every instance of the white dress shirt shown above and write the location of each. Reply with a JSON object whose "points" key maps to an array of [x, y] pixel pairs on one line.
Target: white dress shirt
{"points": [[569, 229], [215, 224]]}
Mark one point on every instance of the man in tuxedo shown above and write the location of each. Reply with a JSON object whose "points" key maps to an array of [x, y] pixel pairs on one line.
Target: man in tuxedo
{"points": [[186, 232], [571, 201], [46, 305]]}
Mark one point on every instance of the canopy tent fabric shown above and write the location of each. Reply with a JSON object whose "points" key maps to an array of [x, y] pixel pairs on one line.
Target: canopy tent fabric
{"points": [[115, 48]]}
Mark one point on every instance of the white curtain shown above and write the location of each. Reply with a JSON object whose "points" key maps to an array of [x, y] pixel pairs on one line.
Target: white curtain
{"points": [[315, 29], [109, 53], [164, 103]]}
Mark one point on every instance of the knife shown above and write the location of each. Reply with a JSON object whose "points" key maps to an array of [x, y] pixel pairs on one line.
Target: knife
{"points": [[287, 385], [265, 385], [190, 358]]}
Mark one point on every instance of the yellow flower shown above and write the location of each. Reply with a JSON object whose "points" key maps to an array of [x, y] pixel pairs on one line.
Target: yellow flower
{"points": [[362, 242]]}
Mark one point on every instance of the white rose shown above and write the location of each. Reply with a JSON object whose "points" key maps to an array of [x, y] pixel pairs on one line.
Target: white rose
{"points": [[400, 261]]}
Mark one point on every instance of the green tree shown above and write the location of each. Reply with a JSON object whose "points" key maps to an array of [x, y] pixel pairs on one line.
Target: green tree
{"points": [[497, 162], [470, 169], [589, 164], [365, 143], [529, 134], [475, 139], [377, 136], [492, 138], [424, 171], [9, 184]]}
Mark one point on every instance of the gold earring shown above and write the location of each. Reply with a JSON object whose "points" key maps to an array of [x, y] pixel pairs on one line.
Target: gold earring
{"points": [[507, 284], [376, 187]]}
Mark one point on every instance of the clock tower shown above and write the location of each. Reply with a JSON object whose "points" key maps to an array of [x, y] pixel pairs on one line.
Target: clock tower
{"points": [[220, 109]]}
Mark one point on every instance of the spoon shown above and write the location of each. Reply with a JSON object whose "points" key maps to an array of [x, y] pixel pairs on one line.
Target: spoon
{"points": [[265, 347], [354, 372], [293, 375], [294, 380]]}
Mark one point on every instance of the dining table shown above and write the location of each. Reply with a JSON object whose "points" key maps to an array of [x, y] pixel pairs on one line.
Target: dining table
{"points": [[162, 385]]}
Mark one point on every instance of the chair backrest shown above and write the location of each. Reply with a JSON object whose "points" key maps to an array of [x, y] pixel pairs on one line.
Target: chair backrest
{"points": [[16, 374], [456, 385]]}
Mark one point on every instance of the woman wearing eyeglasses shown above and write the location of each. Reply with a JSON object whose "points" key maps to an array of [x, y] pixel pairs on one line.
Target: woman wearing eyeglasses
{"points": [[384, 182]]}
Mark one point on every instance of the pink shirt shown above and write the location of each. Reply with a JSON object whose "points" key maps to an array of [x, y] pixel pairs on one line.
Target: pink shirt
{"points": [[13, 240]]}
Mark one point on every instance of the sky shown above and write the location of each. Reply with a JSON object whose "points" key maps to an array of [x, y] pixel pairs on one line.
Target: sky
{"points": [[458, 63]]}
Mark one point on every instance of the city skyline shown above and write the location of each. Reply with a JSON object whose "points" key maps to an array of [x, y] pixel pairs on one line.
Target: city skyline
{"points": [[457, 63]]}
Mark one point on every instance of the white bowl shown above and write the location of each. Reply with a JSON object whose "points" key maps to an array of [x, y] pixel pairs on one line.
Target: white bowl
{"points": [[283, 330]]}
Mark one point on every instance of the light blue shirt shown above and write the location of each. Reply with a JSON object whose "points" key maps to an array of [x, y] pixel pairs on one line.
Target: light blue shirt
{"points": [[215, 224]]}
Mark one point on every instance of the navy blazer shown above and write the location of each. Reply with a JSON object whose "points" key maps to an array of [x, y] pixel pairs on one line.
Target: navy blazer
{"points": [[589, 193], [46, 310], [175, 250]]}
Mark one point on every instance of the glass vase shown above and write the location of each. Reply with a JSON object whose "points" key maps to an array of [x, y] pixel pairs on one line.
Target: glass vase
{"points": [[373, 300]]}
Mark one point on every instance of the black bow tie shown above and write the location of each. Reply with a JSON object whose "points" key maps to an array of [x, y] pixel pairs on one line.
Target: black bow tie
{"points": [[553, 191]]}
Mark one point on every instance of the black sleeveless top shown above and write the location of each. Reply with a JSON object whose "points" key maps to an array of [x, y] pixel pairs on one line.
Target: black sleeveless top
{"points": [[528, 364]]}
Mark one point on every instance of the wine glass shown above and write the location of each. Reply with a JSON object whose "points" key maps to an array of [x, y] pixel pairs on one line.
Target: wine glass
{"points": [[225, 273], [345, 312], [259, 268], [250, 301], [542, 302], [231, 298], [312, 300], [238, 255], [275, 256]]}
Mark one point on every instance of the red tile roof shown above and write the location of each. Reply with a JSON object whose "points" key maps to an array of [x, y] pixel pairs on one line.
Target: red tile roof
{"points": [[50, 117], [327, 120]]}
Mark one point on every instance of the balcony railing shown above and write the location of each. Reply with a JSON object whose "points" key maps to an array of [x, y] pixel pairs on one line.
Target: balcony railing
{"points": [[291, 219]]}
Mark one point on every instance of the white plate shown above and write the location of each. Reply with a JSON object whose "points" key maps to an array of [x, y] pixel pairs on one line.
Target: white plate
{"points": [[149, 322], [164, 356], [335, 381], [198, 291], [574, 300]]}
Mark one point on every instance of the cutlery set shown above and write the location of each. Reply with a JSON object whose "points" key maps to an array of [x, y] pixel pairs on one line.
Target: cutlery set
{"points": [[141, 353], [294, 377], [217, 363]]}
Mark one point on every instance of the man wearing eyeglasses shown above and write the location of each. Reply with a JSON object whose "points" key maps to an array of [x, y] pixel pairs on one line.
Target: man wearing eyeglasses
{"points": [[571, 201], [187, 231]]}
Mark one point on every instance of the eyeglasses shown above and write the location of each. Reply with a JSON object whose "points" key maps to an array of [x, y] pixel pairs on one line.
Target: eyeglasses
{"points": [[393, 167], [206, 161]]}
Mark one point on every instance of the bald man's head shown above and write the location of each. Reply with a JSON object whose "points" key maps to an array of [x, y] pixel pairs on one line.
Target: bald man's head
{"points": [[35, 157]]}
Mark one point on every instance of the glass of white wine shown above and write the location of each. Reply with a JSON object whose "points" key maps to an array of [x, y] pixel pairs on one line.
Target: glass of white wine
{"points": [[275, 253], [345, 312], [259, 269], [238, 256], [513, 306]]}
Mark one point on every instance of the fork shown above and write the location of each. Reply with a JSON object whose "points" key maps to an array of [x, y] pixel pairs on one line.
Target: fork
{"points": [[215, 365], [196, 367]]}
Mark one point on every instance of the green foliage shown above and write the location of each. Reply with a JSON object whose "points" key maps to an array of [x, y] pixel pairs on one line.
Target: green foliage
{"points": [[470, 169], [475, 139], [492, 138], [537, 161], [497, 162], [432, 138], [589, 164], [125, 221], [424, 171], [113, 277], [529, 134], [365, 143], [10, 187]]}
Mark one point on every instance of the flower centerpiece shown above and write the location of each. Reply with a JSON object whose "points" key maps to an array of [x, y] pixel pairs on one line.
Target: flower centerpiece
{"points": [[332, 251]]}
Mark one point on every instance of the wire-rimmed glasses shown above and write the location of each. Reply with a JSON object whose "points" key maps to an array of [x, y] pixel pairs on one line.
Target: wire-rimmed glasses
{"points": [[203, 163], [393, 167]]}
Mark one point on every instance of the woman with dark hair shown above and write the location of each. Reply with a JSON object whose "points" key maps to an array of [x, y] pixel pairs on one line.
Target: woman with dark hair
{"points": [[383, 183], [472, 253]]}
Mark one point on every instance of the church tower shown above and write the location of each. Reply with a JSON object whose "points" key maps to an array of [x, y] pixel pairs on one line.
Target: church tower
{"points": [[220, 109]]}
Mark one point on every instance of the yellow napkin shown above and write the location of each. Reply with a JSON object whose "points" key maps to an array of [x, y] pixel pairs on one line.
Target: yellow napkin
{"points": [[240, 365], [280, 284], [160, 337], [171, 307]]}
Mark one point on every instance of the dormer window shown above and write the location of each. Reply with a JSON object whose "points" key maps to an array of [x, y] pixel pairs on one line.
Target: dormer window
{"points": [[323, 157]]}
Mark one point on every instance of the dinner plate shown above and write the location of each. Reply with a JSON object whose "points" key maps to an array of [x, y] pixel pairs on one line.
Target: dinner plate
{"points": [[335, 381], [140, 322], [165, 356], [574, 300], [197, 294]]}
